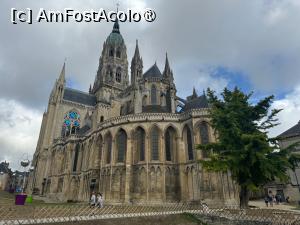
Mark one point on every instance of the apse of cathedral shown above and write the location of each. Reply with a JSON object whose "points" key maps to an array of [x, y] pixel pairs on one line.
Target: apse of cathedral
{"points": [[133, 141]]}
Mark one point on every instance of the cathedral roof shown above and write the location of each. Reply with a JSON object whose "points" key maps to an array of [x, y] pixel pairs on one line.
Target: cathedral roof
{"points": [[79, 97], [153, 72], [196, 103], [293, 131]]}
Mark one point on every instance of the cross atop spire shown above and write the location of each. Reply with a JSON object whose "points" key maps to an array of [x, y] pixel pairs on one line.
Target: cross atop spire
{"points": [[118, 4]]}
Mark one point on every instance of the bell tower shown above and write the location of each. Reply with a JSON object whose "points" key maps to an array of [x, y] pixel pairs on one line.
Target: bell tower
{"points": [[112, 74]]}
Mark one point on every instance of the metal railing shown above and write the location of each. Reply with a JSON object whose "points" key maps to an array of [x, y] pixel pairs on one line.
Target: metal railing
{"points": [[65, 214]]}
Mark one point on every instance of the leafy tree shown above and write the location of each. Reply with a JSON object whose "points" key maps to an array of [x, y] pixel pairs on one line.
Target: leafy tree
{"points": [[243, 146]]}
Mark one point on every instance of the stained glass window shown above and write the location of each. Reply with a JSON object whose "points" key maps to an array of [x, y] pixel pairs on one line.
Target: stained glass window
{"points": [[121, 145], [169, 137], [140, 135], [154, 143], [71, 122], [189, 143], [108, 148]]}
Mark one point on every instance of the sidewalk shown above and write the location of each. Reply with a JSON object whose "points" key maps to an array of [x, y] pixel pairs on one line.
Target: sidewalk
{"points": [[283, 206]]}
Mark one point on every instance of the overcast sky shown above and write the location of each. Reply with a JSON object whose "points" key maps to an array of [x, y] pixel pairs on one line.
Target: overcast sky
{"points": [[210, 43]]}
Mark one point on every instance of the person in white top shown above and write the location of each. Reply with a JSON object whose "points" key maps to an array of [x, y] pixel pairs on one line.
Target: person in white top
{"points": [[99, 200], [93, 199]]}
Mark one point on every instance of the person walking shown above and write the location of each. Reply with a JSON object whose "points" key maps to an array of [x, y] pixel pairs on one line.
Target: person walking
{"points": [[99, 200], [93, 199], [266, 201]]}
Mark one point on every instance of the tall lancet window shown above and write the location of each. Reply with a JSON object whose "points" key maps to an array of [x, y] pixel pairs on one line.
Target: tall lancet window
{"points": [[118, 54], [118, 75], [121, 145], [111, 52], [154, 143], [203, 128], [204, 136], [188, 142], [153, 95], [140, 144], [169, 143], [108, 143]]}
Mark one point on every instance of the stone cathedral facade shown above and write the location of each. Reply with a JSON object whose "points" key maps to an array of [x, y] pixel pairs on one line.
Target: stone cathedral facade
{"points": [[134, 141]]}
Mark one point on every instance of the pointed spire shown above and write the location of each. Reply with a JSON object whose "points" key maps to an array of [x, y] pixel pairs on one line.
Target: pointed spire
{"points": [[136, 52], [90, 89], [194, 93], [62, 76], [167, 70]]}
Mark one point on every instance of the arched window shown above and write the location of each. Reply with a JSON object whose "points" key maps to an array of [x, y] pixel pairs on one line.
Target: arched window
{"points": [[108, 149], [188, 142], [204, 137], [153, 95], [169, 143], [140, 144], [101, 118], [118, 54], [111, 52], [155, 143], [118, 75], [121, 145], [71, 123]]}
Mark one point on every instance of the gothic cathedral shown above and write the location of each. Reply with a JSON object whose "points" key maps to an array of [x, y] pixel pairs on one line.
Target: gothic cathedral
{"points": [[134, 141]]}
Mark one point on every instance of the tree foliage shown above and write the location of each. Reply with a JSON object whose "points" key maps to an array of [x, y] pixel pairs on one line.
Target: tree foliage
{"points": [[243, 145]]}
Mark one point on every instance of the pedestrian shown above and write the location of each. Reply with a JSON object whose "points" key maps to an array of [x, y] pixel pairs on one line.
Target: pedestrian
{"points": [[270, 198], [93, 199], [274, 199], [266, 200], [99, 200]]}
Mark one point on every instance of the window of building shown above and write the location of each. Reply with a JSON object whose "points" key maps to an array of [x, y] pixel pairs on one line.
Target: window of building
{"points": [[108, 148], [121, 145], [118, 75], [118, 54], [155, 143], [140, 136], [76, 158], [169, 143], [153, 95], [203, 128], [189, 143], [204, 136], [71, 123], [111, 52], [101, 118]]}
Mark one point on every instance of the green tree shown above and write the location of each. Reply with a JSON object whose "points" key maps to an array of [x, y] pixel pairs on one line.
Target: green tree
{"points": [[243, 146]]}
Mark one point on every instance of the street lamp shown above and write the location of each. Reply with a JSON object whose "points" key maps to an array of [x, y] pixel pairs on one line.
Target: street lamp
{"points": [[24, 163]]}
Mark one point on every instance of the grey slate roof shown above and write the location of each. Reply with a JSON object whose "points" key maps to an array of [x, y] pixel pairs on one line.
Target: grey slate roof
{"points": [[196, 103], [79, 97], [293, 131], [152, 72]]}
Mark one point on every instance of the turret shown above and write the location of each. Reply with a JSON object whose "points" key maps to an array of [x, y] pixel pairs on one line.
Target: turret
{"points": [[136, 66]]}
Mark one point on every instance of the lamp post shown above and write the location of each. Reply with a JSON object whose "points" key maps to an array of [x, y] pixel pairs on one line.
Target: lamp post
{"points": [[24, 163]]}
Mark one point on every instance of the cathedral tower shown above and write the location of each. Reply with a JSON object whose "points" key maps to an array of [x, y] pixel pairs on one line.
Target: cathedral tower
{"points": [[112, 74]]}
